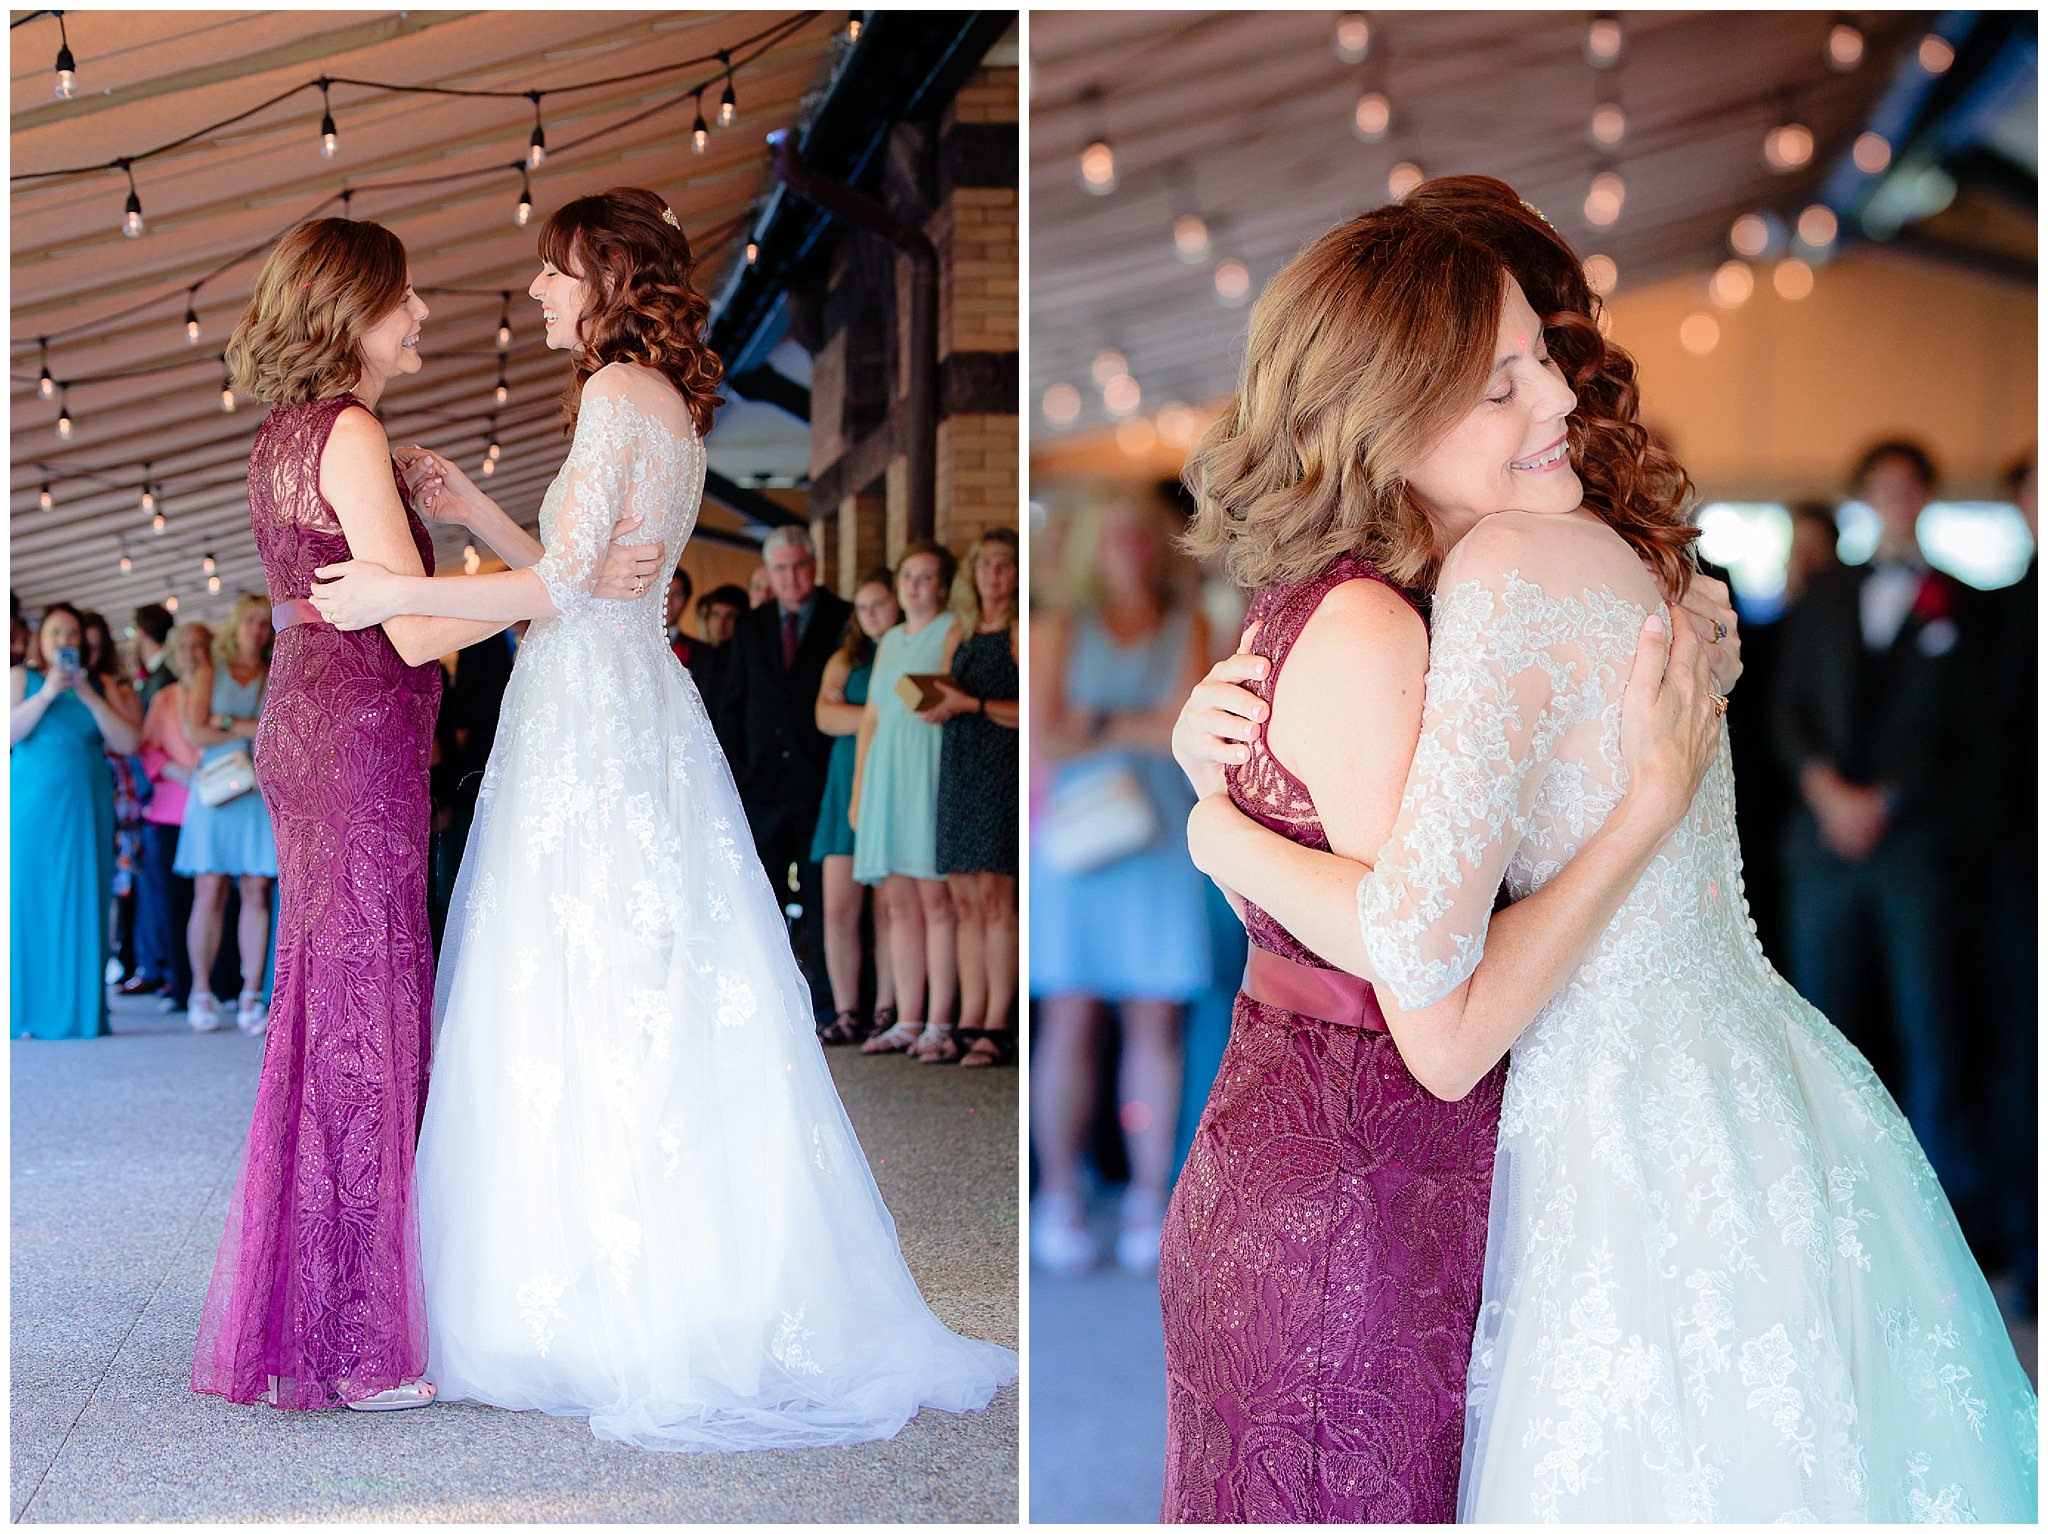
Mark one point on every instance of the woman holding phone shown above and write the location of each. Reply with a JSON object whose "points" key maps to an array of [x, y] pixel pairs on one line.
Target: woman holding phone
{"points": [[61, 836]]}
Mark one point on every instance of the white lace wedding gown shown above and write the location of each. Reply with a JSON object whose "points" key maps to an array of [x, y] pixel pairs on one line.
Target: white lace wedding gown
{"points": [[1721, 1281], [639, 1196]]}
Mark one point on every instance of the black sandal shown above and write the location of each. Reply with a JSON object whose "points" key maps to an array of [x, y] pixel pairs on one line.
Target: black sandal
{"points": [[986, 1047], [843, 1029]]}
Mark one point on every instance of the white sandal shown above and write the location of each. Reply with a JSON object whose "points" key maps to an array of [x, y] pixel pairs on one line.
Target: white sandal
{"points": [[397, 1398], [899, 1036]]}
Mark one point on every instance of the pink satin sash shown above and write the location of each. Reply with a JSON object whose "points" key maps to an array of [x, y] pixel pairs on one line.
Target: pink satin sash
{"points": [[284, 614], [1329, 995]]}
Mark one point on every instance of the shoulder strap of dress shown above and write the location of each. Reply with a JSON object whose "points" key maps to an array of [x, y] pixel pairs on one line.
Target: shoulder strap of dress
{"points": [[1282, 612]]}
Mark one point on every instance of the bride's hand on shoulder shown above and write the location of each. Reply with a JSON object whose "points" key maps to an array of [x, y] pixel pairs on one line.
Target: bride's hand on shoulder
{"points": [[629, 569], [1221, 716], [1670, 721], [1711, 610], [357, 594]]}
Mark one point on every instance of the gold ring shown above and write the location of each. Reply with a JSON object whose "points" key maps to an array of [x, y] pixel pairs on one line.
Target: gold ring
{"points": [[1720, 703], [1720, 631]]}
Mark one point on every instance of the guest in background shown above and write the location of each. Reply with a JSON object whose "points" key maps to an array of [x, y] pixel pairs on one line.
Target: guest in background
{"points": [[895, 814], [718, 614], [1815, 550], [230, 840], [171, 761], [842, 697], [61, 836], [768, 700], [1129, 929], [678, 603], [760, 585], [17, 632], [152, 639], [1874, 714], [103, 664], [977, 847]]}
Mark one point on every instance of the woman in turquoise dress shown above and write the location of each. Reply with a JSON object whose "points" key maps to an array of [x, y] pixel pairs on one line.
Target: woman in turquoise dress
{"points": [[231, 841], [61, 837], [896, 799], [842, 700], [1118, 912]]}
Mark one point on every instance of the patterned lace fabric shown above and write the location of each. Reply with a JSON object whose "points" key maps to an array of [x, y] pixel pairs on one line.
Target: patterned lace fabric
{"points": [[640, 1199], [1721, 1279], [317, 1283], [1319, 1275]]}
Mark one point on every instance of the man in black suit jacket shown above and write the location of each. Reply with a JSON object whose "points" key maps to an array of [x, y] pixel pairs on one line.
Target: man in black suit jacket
{"points": [[1874, 722], [768, 706]]}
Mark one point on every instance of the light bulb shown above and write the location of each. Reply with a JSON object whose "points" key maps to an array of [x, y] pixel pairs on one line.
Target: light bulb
{"points": [[227, 399], [157, 524], [1062, 404], [171, 603], [127, 564], [131, 217], [1936, 54], [1793, 279], [1603, 40], [207, 564], [1602, 274], [490, 467], [1845, 46], [213, 583], [536, 149], [1872, 152], [1699, 333], [1371, 118], [728, 105], [67, 72], [191, 326], [1749, 235], [45, 500], [493, 451], [1108, 364], [64, 424], [503, 392], [853, 29], [1604, 199], [1609, 124], [1233, 281], [753, 252], [1817, 226], [700, 134], [46, 385], [504, 336], [1788, 146], [1098, 168], [1731, 285], [1121, 396], [1191, 238], [328, 143], [148, 498], [1403, 179], [1354, 37]]}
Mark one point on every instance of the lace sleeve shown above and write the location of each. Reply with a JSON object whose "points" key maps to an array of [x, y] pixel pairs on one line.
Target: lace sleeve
{"points": [[1494, 707], [589, 497]]}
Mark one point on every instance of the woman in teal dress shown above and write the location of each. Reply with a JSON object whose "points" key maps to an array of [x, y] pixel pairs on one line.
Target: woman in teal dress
{"points": [[842, 700], [61, 837], [896, 800]]}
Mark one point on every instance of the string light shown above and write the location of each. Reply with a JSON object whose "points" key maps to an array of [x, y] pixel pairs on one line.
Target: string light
{"points": [[493, 450], [191, 317], [1373, 115], [504, 319], [157, 524], [131, 216], [328, 142], [1793, 279], [1936, 54], [1108, 364], [1817, 226], [1749, 235], [64, 415], [1845, 45], [1731, 285], [700, 134], [207, 563], [171, 603], [1603, 40], [1609, 124], [1872, 152], [1098, 160], [1191, 238], [1354, 37], [525, 209], [45, 500], [148, 499], [1121, 396], [213, 583], [853, 26], [504, 393], [1233, 282], [227, 388], [1699, 333], [1403, 179], [1604, 198], [728, 104], [490, 467], [1061, 404], [537, 146], [753, 251], [67, 67], [1789, 145], [1602, 274], [471, 560], [45, 385], [127, 564]]}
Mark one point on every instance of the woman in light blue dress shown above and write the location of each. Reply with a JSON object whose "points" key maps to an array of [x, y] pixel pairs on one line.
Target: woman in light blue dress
{"points": [[1119, 915], [61, 837], [232, 840], [896, 802]]}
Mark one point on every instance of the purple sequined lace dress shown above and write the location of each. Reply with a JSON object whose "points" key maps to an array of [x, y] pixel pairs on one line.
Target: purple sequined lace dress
{"points": [[1321, 1263], [317, 1285]]}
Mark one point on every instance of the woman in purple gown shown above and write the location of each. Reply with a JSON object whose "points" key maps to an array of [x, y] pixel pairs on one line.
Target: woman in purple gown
{"points": [[1320, 1269], [316, 1296]]}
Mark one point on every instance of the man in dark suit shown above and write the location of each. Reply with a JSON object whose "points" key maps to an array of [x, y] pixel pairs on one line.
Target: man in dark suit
{"points": [[1873, 722], [769, 704]]}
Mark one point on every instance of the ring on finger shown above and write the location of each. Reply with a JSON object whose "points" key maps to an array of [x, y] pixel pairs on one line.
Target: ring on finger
{"points": [[1720, 633], [1720, 702]]}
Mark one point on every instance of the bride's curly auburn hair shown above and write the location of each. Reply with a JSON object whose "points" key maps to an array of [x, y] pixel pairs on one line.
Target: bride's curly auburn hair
{"points": [[1372, 344], [640, 304]]}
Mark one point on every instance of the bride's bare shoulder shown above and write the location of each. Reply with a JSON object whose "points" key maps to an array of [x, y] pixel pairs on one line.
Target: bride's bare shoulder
{"points": [[1572, 552]]}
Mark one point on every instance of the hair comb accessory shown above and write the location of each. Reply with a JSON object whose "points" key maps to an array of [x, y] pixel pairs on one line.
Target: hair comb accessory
{"points": [[1535, 210], [307, 283], [668, 216]]}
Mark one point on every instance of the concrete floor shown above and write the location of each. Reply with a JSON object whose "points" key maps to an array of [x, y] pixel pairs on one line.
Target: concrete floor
{"points": [[124, 1151], [1098, 1391]]}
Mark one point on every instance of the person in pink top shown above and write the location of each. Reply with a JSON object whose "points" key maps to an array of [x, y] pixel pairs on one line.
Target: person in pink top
{"points": [[172, 761]]}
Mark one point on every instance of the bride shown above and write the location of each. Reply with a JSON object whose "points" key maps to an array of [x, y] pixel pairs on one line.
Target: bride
{"points": [[640, 1199]]}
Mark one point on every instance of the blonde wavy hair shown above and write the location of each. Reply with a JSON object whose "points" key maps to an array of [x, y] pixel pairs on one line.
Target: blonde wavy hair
{"points": [[185, 634], [324, 284], [1368, 348], [1081, 587], [224, 637], [966, 603]]}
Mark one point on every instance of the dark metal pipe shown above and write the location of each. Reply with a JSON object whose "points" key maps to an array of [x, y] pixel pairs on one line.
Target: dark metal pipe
{"points": [[922, 410]]}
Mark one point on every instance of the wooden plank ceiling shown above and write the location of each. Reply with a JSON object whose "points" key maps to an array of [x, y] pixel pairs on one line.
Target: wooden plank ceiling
{"points": [[1246, 118], [115, 305]]}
